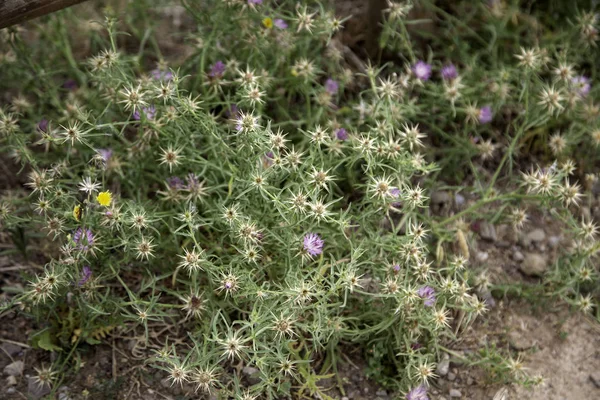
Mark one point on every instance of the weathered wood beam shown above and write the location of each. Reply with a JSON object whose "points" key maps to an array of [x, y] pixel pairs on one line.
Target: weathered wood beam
{"points": [[16, 11]]}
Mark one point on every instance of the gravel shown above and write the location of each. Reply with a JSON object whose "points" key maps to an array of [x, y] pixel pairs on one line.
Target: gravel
{"points": [[534, 265]]}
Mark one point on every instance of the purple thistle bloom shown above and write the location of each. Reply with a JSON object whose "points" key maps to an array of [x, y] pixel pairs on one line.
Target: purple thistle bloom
{"points": [[70, 84], [281, 24], [84, 239], [43, 125], [396, 268], [582, 85], [192, 182], [485, 114], [254, 2], [175, 182], [418, 393], [232, 110], [341, 134], [422, 70], [217, 70], [427, 293], [148, 112], [86, 274], [331, 86], [268, 158], [313, 244], [449, 72], [161, 75], [106, 154], [394, 192]]}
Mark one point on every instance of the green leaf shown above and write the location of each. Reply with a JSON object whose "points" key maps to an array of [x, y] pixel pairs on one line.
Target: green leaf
{"points": [[45, 340]]}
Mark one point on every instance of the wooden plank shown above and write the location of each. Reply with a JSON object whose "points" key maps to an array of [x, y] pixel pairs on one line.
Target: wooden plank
{"points": [[16, 11]]}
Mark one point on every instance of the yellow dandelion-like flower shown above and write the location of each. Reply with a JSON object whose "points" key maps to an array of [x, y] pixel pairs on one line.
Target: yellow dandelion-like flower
{"points": [[77, 212], [104, 198], [267, 23]]}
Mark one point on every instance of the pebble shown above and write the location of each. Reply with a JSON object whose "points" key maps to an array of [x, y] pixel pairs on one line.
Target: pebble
{"points": [[11, 349], [553, 241], [63, 396], [11, 381], [536, 235], [451, 376], [381, 393], [534, 264], [253, 374], [487, 231], [469, 380], [518, 256], [595, 377], [443, 366], [519, 342], [482, 256], [14, 369], [455, 393], [11, 390], [459, 199], [36, 391]]}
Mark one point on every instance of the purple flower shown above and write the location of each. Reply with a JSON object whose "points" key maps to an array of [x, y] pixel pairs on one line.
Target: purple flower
{"points": [[175, 182], [313, 244], [106, 154], [217, 70], [268, 158], [70, 84], [449, 72], [396, 268], [427, 293], [232, 110], [582, 85], [422, 70], [485, 114], [331, 86], [84, 239], [161, 75], [418, 393], [254, 2], [281, 24], [394, 192], [86, 274], [416, 346], [341, 134], [43, 125], [148, 112], [192, 182]]}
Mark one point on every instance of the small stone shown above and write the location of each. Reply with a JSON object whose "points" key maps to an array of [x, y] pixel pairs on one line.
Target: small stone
{"points": [[440, 197], [534, 264], [63, 396], [381, 393], [451, 376], [595, 377], [554, 241], [10, 349], [11, 390], [252, 374], [444, 366], [487, 231], [455, 393], [35, 390], [459, 199], [469, 381], [536, 235], [518, 256], [11, 381], [345, 398], [14, 369], [482, 256], [519, 342]]}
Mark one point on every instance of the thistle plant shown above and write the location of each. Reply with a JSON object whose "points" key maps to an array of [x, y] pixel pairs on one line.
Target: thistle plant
{"points": [[273, 202]]}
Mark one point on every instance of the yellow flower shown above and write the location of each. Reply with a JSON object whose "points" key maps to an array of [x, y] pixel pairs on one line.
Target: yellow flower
{"points": [[77, 212], [104, 198], [267, 23]]}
